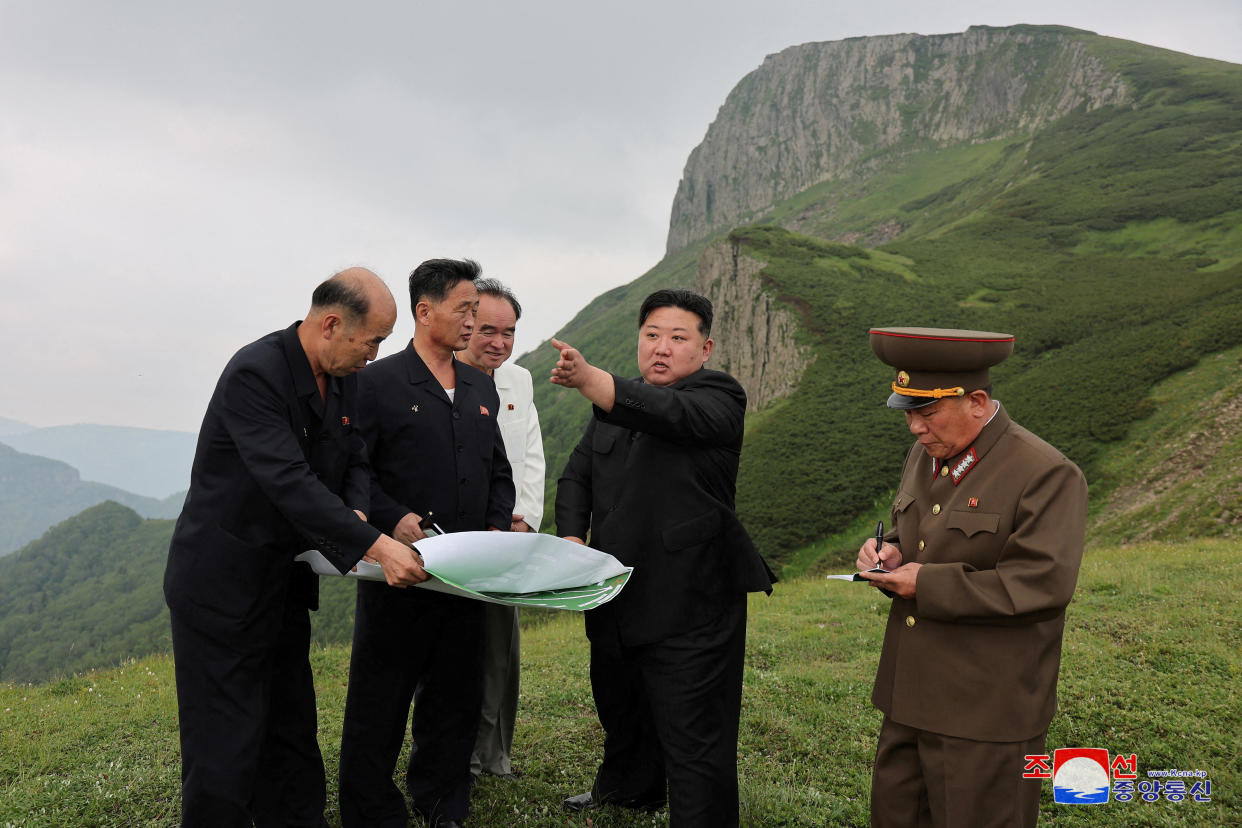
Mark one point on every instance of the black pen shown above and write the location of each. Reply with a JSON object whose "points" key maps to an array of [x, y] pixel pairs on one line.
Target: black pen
{"points": [[879, 543]]}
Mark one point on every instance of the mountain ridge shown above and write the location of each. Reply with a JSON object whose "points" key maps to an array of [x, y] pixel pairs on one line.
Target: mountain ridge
{"points": [[841, 109]]}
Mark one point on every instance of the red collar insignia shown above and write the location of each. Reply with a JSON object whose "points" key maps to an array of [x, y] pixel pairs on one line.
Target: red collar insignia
{"points": [[962, 467]]}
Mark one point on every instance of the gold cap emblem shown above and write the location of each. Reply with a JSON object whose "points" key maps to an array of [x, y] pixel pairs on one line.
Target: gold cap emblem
{"points": [[903, 379]]}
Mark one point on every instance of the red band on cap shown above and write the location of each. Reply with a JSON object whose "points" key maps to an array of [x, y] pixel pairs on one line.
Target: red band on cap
{"points": [[940, 338]]}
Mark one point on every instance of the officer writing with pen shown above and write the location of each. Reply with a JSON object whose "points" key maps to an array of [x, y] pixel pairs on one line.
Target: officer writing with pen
{"points": [[983, 557]]}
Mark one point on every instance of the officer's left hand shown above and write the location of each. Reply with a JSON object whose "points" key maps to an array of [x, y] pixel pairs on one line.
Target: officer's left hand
{"points": [[900, 581]]}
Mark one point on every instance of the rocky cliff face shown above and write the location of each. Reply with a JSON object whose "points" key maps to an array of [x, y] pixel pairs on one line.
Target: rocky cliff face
{"points": [[754, 334], [830, 110]]}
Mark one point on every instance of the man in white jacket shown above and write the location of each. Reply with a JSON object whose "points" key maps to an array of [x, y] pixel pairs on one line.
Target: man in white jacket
{"points": [[490, 346]]}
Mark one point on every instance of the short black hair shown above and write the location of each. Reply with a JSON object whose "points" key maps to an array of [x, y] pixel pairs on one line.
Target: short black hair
{"points": [[686, 300], [499, 290], [345, 293], [434, 278]]}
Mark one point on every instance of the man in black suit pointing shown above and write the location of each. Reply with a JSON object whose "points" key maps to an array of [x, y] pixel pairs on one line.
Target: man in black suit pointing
{"points": [[279, 468], [653, 481]]}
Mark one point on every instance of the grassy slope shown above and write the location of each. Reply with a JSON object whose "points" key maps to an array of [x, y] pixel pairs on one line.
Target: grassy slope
{"points": [[1152, 660], [1177, 474], [1082, 367], [1110, 243]]}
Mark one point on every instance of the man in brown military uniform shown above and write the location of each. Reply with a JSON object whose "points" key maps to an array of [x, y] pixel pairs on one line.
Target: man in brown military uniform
{"points": [[984, 551]]}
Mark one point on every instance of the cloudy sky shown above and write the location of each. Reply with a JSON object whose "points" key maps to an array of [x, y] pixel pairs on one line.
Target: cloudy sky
{"points": [[175, 178]]}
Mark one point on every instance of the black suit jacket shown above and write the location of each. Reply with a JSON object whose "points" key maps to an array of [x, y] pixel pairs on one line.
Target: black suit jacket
{"points": [[277, 469], [432, 456], [654, 482]]}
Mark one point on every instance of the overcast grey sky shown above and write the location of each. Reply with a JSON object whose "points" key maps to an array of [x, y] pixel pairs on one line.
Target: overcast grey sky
{"points": [[175, 178]]}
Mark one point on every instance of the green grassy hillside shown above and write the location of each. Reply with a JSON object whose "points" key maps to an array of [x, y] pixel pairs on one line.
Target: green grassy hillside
{"points": [[1177, 475], [88, 593], [1152, 660], [1109, 243], [1079, 377]]}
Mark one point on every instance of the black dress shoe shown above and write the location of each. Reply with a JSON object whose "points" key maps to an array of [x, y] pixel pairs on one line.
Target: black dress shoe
{"points": [[581, 802]]}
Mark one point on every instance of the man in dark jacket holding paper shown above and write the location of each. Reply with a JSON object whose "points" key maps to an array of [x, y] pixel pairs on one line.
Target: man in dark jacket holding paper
{"points": [[279, 468], [430, 425], [652, 482]]}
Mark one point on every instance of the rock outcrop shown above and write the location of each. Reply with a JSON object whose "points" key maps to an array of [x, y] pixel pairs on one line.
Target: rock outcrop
{"points": [[754, 333], [821, 111]]}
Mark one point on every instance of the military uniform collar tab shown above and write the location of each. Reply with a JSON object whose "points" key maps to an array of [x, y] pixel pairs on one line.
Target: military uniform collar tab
{"points": [[958, 466], [992, 431]]}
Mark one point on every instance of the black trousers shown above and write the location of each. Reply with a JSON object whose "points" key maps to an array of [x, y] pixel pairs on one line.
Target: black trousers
{"points": [[411, 644], [923, 779], [249, 746], [670, 713]]}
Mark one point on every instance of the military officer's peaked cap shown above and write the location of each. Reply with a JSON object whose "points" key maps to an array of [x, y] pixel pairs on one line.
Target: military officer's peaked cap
{"points": [[934, 363]]}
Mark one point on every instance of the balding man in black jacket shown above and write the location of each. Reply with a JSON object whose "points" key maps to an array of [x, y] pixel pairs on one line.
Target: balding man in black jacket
{"points": [[653, 481], [279, 468]]}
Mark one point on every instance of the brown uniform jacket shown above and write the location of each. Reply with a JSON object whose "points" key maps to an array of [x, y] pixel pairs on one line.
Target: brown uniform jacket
{"points": [[975, 653]]}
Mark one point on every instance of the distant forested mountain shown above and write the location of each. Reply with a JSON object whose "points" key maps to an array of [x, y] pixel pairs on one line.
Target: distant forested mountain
{"points": [[37, 492], [89, 593], [145, 461], [9, 427]]}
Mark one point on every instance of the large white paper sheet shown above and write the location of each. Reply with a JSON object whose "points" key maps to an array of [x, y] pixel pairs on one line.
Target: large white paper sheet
{"points": [[512, 568]]}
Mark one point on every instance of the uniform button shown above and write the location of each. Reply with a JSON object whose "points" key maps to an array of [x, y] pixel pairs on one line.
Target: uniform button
{"points": [[944, 471], [922, 546], [456, 415], [463, 481], [935, 509], [909, 620], [459, 449]]}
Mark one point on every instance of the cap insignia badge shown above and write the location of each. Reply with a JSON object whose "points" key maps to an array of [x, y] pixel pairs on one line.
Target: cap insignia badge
{"points": [[903, 379]]}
